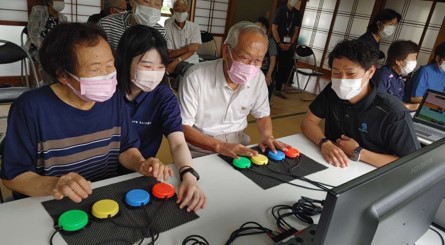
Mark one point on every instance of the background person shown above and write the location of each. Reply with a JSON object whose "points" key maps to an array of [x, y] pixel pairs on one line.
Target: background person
{"points": [[285, 28], [430, 76], [383, 25], [270, 59], [183, 41], [109, 7], [40, 22], [401, 61], [154, 110], [144, 12]]}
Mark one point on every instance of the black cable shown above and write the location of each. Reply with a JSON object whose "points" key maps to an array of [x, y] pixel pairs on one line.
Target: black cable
{"points": [[246, 231], [318, 184], [307, 207], [283, 181], [440, 235], [52, 236], [279, 216], [196, 239]]}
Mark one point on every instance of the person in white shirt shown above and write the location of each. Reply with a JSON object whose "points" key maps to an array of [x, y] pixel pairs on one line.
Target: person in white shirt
{"points": [[183, 40], [217, 96]]}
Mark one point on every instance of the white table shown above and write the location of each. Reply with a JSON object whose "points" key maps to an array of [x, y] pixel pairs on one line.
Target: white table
{"points": [[233, 199]]}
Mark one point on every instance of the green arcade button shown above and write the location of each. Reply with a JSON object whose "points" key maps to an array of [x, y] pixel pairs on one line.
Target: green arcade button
{"points": [[241, 162], [73, 220]]}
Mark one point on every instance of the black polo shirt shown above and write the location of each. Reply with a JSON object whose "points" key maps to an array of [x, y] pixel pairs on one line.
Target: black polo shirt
{"points": [[379, 122], [286, 19]]}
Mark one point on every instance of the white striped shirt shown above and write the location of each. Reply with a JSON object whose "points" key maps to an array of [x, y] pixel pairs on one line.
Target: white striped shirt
{"points": [[115, 25]]}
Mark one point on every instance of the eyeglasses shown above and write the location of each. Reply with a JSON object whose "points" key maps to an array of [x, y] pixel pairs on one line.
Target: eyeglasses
{"points": [[248, 61]]}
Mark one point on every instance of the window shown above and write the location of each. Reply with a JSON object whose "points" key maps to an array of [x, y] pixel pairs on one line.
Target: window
{"points": [[80, 10], [13, 11], [211, 15]]}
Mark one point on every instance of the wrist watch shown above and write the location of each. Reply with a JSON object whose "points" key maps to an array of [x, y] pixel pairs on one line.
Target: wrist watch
{"points": [[356, 154], [188, 169], [322, 141]]}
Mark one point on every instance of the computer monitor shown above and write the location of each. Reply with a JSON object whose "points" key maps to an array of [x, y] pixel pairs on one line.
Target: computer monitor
{"points": [[394, 204]]}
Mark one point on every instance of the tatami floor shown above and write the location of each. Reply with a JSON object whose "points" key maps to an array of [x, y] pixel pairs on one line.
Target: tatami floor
{"points": [[286, 117]]}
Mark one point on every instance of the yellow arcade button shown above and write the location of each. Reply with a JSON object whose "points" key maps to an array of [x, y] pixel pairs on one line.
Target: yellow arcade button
{"points": [[259, 159], [105, 208]]}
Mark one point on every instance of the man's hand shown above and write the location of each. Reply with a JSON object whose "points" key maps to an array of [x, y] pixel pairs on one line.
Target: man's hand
{"points": [[172, 66], [154, 167], [334, 155], [284, 46], [190, 194], [73, 186], [234, 150], [348, 145], [272, 144]]}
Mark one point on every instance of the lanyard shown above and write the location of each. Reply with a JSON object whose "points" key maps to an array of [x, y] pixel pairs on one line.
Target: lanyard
{"points": [[287, 20]]}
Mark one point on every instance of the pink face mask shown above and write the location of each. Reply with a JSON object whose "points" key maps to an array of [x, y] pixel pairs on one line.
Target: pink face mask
{"points": [[95, 89], [241, 73], [148, 80]]}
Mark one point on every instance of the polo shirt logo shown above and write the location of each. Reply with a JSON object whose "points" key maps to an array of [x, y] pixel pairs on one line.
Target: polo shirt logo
{"points": [[363, 128]]}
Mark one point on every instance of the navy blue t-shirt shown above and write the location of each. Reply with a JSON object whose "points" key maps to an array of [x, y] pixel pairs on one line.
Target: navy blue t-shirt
{"points": [[155, 114], [49, 137], [389, 81]]}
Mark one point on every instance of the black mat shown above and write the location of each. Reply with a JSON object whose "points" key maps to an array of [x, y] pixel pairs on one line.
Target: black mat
{"points": [[300, 166], [166, 214]]}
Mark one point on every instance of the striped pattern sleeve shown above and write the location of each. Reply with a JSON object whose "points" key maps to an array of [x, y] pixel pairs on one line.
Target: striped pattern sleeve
{"points": [[115, 25]]}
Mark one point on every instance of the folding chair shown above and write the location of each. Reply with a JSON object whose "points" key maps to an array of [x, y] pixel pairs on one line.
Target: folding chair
{"points": [[208, 49], [24, 67], [11, 53], [306, 53]]}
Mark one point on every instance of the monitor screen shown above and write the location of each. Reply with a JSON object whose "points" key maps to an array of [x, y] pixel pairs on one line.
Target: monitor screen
{"points": [[432, 110], [394, 204]]}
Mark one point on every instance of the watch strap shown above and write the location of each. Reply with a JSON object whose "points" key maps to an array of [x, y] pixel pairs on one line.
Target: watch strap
{"points": [[322, 141], [189, 169]]}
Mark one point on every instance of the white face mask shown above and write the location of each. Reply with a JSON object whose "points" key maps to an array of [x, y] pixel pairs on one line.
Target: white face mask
{"points": [[347, 89], [387, 31], [145, 15], [181, 17], [58, 5], [148, 80], [409, 67]]}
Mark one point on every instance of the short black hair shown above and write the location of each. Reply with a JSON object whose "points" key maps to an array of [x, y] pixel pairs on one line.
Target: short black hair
{"points": [[400, 49], [358, 51], [264, 21], [58, 50], [440, 50], [383, 16], [137, 40]]}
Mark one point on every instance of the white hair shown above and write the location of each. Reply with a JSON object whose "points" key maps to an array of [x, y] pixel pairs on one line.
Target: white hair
{"points": [[184, 1], [241, 27]]}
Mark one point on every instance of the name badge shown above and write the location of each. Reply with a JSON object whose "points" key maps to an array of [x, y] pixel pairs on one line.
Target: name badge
{"points": [[286, 39]]}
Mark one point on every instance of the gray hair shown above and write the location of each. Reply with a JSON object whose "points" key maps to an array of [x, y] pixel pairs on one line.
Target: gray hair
{"points": [[241, 27], [176, 1]]}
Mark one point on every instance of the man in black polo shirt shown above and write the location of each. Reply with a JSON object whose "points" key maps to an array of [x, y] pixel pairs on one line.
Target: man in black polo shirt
{"points": [[360, 122], [285, 29]]}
